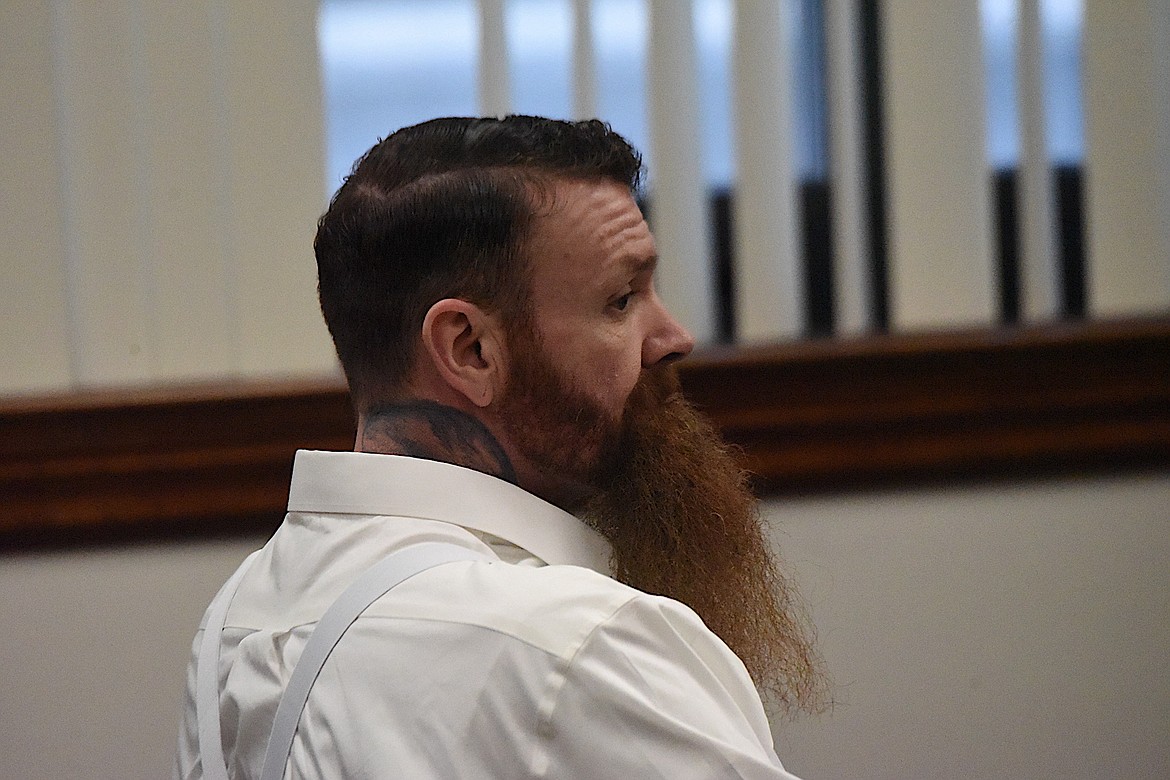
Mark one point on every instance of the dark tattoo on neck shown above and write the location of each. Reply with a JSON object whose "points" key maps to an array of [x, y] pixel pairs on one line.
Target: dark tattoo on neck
{"points": [[425, 429]]}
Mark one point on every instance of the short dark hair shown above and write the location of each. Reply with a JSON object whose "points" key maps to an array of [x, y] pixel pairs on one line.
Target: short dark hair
{"points": [[437, 210]]}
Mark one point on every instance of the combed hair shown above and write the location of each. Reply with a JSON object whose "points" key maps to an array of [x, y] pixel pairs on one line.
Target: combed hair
{"points": [[441, 210]]}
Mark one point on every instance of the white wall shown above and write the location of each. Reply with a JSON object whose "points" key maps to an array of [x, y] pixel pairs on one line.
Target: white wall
{"points": [[1019, 631], [93, 651]]}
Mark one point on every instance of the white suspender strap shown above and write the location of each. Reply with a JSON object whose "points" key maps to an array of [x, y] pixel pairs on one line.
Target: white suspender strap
{"points": [[371, 585], [207, 678]]}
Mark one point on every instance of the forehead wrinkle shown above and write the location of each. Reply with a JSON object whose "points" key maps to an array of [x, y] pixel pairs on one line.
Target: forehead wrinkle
{"points": [[631, 250], [597, 218], [621, 231]]}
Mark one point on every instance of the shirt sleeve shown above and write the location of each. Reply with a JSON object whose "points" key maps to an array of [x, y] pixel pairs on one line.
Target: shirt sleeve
{"points": [[653, 693]]}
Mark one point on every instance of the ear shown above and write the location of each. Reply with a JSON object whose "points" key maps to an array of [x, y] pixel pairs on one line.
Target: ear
{"points": [[464, 345]]}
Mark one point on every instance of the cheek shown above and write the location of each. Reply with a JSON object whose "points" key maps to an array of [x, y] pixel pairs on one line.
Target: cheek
{"points": [[608, 368], [621, 377]]}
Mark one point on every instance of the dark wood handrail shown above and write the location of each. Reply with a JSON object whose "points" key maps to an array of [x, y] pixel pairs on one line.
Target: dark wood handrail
{"points": [[808, 416]]}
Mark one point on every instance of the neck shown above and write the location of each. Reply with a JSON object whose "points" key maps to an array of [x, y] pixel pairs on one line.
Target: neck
{"points": [[430, 430]]}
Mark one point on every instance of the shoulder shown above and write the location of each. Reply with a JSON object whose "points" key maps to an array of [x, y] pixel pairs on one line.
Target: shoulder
{"points": [[661, 649], [553, 608], [597, 630], [559, 664], [657, 693]]}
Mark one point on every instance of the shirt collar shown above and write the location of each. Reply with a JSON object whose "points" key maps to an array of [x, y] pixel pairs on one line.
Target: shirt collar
{"points": [[371, 484]]}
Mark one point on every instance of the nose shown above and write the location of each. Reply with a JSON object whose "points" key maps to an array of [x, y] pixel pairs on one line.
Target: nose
{"points": [[667, 341]]}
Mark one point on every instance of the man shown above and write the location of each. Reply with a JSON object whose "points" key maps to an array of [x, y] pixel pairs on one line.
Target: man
{"points": [[489, 286]]}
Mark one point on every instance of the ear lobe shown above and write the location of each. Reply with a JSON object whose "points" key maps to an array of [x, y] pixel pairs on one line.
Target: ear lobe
{"points": [[462, 343]]}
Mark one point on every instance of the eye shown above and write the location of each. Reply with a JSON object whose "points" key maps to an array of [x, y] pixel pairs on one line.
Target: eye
{"points": [[623, 302]]}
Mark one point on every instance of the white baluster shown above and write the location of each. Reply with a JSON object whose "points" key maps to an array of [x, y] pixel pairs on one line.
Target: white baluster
{"points": [[770, 289], [34, 332], [494, 77], [584, 67], [1127, 91], [852, 260], [274, 171], [940, 249], [678, 199]]}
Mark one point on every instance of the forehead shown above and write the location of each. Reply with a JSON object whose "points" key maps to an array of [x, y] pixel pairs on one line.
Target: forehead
{"points": [[586, 231]]}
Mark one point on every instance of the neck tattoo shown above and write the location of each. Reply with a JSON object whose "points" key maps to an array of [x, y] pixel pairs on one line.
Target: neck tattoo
{"points": [[429, 430]]}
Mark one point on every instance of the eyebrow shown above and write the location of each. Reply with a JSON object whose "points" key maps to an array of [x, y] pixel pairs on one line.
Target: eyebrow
{"points": [[638, 265]]}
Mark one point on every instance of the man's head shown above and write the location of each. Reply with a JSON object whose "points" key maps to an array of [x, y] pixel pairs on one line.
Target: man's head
{"points": [[490, 288], [442, 210], [457, 246]]}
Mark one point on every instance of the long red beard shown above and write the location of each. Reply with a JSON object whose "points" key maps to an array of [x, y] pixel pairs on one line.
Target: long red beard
{"points": [[683, 523], [678, 513]]}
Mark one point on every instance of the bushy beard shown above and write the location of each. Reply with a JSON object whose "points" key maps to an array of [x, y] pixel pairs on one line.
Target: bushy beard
{"points": [[678, 513]]}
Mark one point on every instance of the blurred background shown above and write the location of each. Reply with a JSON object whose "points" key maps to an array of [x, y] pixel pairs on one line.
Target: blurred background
{"points": [[826, 178]]}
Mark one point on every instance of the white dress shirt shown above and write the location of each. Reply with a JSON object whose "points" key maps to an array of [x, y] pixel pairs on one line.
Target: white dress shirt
{"points": [[537, 664]]}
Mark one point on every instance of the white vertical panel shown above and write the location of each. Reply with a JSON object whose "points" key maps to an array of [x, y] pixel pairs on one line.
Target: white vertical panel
{"points": [[98, 72], [1040, 291], [852, 266], [1127, 95], [584, 68], [940, 262], [34, 334], [769, 283], [1161, 101], [179, 102], [678, 205], [275, 186], [173, 153], [494, 79]]}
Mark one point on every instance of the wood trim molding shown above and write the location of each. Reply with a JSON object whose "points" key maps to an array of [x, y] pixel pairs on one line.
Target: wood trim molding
{"points": [[808, 416], [199, 460], [908, 409]]}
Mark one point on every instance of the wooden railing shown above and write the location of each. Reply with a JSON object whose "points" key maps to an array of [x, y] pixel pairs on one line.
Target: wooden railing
{"points": [[809, 416]]}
